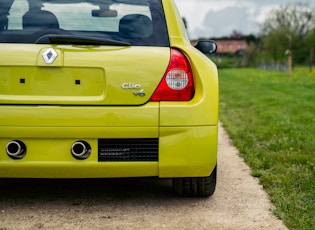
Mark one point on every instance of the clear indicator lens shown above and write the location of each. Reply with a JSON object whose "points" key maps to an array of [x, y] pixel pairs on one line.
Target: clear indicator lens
{"points": [[177, 79]]}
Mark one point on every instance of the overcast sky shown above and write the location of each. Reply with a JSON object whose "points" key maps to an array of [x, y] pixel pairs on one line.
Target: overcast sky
{"points": [[213, 18]]}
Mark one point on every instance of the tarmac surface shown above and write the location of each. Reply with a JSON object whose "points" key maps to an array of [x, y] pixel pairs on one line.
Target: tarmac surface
{"points": [[239, 202]]}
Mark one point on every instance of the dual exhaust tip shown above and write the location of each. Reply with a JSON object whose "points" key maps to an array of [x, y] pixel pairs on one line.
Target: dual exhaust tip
{"points": [[81, 150], [16, 149]]}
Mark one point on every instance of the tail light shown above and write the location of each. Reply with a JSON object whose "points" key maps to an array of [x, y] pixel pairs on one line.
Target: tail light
{"points": [[177, 83]]}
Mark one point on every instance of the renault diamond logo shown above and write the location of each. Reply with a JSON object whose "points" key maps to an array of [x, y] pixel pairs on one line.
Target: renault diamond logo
{"points": [[50, 55]]}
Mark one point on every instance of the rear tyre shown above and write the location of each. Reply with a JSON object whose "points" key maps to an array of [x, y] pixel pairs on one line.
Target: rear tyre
{"points": [[196, 186]]}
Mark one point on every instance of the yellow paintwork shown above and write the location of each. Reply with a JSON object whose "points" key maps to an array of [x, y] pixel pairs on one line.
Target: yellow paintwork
{"points": [[187, 131], [100, 77], [203, 108]]}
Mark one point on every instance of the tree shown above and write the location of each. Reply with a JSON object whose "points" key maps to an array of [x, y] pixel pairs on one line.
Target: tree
{"points": [[287, 28], [236, 35], [310, 42], [250, 55]]}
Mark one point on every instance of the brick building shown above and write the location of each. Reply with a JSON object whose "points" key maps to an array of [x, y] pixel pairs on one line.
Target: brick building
{"points": [[231, 46]]}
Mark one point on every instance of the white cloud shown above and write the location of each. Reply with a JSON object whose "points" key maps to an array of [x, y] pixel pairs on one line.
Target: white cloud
{"points": [[207, 18]]}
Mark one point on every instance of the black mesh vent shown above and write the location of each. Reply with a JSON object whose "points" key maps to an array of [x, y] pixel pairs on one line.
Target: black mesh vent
{"points": [[126, 150]]}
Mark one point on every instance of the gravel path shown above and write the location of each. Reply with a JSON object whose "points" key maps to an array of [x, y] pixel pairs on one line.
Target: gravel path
{"points": [[144, 203]]}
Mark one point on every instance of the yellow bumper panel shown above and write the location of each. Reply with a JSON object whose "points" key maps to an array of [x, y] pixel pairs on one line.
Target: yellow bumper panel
{"points": [[183, 152]]}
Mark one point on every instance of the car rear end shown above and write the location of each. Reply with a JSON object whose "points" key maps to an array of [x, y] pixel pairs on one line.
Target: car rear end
{"points": [[103, 89]]}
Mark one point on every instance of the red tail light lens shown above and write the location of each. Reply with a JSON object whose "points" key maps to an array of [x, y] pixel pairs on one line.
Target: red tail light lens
{"points": [[177, 83]]}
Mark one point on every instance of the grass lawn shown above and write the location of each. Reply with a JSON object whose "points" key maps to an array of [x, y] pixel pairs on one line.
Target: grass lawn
{"points": [[271, 120]]}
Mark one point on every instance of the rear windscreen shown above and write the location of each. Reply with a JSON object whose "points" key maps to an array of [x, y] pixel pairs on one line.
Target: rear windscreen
{"points": [[135, 22]]}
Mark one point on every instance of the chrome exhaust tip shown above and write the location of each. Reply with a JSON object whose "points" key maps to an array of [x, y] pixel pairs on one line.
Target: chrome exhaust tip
{"points": [[81, 150], [16, 149]]}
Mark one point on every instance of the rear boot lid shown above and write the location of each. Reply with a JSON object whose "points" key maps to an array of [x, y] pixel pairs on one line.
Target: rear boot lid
{"points": [[80, 74]]}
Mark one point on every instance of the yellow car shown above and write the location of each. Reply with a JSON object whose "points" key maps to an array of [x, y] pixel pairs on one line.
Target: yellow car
{"points": [[106, 89]]}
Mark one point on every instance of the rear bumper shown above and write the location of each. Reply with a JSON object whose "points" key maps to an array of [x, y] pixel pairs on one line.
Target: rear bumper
{"points": [[182, 152]]}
